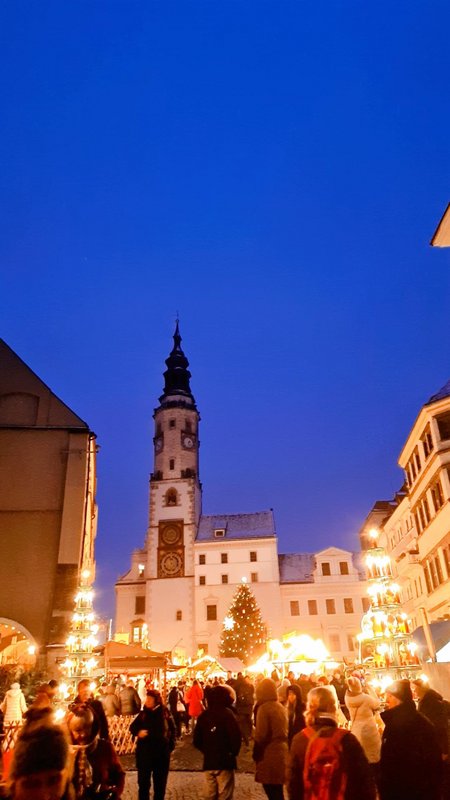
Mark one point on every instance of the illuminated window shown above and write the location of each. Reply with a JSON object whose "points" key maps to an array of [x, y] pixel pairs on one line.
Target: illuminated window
{"points": [[350, 643], [141, 569], [295, 608], [365, 603], [137, 633]]}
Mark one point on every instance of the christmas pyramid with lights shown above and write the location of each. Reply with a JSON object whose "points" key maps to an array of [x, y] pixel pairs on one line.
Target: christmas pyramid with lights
{"points": [[385, 641]]}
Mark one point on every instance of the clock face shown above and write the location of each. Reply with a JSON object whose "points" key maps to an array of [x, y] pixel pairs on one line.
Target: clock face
{"points": [[170, 535], [171, 564], [159, 444], [188, 442]]}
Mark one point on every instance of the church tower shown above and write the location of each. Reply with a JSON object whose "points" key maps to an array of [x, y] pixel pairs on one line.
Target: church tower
{"points": [[175, 508]]}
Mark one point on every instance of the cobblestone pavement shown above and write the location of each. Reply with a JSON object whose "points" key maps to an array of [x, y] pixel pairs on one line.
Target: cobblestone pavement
{"points": [[190, 786], [186, 778], [187, 758]]}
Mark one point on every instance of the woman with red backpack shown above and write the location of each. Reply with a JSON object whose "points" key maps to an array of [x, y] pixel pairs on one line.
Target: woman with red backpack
{"points": [[327, 762]]}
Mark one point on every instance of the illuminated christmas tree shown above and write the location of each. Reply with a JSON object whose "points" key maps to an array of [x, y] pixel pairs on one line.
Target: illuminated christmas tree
{"points": [[80, 661], [385, 640], [243, 633]]}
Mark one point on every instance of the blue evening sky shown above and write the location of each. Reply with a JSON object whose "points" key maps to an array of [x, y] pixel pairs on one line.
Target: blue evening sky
{"points": [[272, 170]]}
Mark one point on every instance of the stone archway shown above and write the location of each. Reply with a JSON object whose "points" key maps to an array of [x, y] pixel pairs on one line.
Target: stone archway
{"points": [[17, 645]]}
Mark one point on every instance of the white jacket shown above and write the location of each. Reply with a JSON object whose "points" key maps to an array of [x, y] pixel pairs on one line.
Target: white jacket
{"points": [[363, 726], [13, 705]]}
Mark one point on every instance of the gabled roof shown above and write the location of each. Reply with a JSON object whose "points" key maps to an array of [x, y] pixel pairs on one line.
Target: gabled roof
{"points": [[441, 394], [296, 567], [258, 525], [26, 401]]}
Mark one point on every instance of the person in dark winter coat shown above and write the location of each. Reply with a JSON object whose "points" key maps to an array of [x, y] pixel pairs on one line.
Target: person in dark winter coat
{"points": [[321, 715], [96, 764], [177, 709], [245, 699], [271, 748], [130, 702], [295, 708], [154, 729], [85, 697], [218, 737], [411, 762], [431, 705]]}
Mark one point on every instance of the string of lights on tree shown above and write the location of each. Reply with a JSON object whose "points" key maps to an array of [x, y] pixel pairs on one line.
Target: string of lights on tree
{"points": [[385, 640], [243, 633]]}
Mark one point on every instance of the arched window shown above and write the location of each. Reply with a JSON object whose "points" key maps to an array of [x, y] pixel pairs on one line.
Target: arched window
{"points": [[171, 497]]}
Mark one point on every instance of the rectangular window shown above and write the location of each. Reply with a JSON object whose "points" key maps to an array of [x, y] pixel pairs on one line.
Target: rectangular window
{"points": [[331, 606], [295, 608], [443, 421], [202, 648], [447, 560], [253, 555], [427, 442], [224, 558], [350, 643], [224, 578], [211, 613], [139, 604], [141, 569], [439, 574], [137, 633], [312, 607], [179, 616], [433, 575], [202, 580], [202, 558], [437, 495], [326, 569], [171, 423], [254, 577], [187, 426], [365, 603], [335, 642], [219, 533], [348, 605], [172, 463], [343, 567], [427, 579], [426, 510]]}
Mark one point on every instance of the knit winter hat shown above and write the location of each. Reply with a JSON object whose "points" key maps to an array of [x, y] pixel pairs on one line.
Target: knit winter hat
{"points": [[401, 690], [39, 749]]}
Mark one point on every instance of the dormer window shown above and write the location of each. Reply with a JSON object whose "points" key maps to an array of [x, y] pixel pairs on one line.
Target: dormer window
{"points": [[343, 567], [219, 533], [141, 568], [326, 568]]}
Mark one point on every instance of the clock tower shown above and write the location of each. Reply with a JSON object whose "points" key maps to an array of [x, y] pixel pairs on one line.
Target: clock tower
{"points": [[175, 508]]}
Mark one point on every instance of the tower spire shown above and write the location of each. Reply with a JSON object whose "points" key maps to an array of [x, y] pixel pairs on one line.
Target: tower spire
{"points": [[177, 375]]}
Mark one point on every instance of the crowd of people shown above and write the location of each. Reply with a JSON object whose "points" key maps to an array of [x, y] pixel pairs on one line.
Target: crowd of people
{"points": [[312, 738]]}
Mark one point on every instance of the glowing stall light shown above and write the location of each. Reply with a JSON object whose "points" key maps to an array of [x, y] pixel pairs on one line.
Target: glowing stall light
{"points": [[59, 714]]}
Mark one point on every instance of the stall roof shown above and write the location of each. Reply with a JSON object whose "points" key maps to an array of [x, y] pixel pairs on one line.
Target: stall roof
{"points": [[120, 657]]}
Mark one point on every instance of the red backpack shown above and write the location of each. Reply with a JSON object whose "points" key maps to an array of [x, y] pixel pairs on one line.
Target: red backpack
{"points": [[324, 777]]}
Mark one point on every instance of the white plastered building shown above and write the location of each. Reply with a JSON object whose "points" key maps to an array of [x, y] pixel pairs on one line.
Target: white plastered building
{"points": [[181, 583]]}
